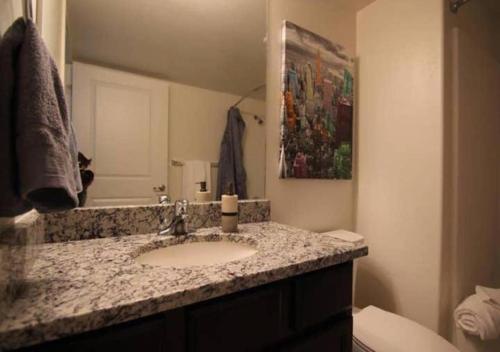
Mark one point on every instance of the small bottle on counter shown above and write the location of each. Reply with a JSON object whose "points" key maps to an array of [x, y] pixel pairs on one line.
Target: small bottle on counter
{"points": [[229, 219], [203, 195]]}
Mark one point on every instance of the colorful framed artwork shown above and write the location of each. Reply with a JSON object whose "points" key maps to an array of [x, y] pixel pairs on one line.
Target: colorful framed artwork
{"points": [[317, 107]]}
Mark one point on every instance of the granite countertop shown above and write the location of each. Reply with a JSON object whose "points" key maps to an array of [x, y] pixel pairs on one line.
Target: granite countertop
{"points": [[79, 286]]}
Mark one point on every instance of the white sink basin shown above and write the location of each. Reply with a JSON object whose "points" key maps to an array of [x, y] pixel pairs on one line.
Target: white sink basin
{"points": [[196, 253]]}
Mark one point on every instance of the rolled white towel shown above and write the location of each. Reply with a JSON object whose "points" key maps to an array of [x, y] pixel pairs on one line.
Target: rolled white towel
{"points": [[489, 295], [479, 314]]}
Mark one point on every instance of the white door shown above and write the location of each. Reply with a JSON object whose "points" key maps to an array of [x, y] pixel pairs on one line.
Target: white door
{"points": [[121, 122]]}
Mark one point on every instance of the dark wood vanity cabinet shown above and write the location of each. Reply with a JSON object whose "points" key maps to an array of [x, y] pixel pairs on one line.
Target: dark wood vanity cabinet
{"points": [[310, 312]]}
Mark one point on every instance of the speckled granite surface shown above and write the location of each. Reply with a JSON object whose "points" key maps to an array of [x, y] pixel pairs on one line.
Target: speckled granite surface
{"points": [[78, 286], [99, 222]]}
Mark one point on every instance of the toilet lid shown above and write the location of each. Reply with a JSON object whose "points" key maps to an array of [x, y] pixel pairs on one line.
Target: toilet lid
{"points": [[347, 236], [381, 331]]}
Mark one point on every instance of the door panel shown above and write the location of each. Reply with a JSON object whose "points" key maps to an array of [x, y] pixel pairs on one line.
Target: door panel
{"points": [[247, 322], [114, 105], [121, 123]]}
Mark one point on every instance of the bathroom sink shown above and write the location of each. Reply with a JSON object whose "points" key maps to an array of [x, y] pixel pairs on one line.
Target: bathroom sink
{"points": [[196, 253]]}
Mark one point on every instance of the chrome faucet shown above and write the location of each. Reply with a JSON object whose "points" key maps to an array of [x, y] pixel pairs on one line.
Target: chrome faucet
{"points": [[178, 225]]}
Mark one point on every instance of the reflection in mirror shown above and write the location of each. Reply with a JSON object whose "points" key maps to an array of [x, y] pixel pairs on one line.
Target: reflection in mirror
{"points": [[152, 84]]}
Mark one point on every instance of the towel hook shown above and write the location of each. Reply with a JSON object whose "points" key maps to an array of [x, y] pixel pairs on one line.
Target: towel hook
{"points": [[27, 10]]}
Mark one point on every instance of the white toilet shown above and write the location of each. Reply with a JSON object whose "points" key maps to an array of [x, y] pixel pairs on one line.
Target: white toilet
{"points": [[377, 330]]}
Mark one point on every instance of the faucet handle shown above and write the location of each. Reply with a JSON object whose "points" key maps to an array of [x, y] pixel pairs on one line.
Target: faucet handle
{"points": [[181, 207], [163, 199]]}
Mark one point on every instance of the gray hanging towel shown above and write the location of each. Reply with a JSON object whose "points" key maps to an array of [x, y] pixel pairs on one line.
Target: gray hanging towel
{"points": [[38, 155], [231, 169]]}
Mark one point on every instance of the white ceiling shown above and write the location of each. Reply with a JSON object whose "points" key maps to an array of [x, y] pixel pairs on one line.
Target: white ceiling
{"points": [[214, 44]]}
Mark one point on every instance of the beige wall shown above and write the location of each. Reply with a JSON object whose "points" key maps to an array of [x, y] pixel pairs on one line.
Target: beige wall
{"points": [[197, 119], [50, 17], [311, 204], [473, 88], [400, 156], [9, 11], [428, 193], [51, 21]]}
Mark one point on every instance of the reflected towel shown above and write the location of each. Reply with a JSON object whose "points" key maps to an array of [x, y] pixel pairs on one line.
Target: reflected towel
{"points": [[193, 172], [231, 169], [479, 314]]}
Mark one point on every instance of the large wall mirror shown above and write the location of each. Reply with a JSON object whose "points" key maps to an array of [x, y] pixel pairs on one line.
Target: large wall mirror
{"points": [[150, 85]]}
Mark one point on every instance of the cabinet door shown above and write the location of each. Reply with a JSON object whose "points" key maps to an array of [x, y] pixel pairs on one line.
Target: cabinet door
{"points": [[322, 294], [245, 322], [145, 335], [336, 337]]}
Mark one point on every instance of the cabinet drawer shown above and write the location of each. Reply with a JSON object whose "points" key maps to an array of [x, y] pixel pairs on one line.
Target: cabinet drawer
{"points": [[242, 323], [322, 294]]}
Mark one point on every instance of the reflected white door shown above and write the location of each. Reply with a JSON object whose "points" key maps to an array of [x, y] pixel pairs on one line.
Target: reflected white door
{"points": [[121, 123]]}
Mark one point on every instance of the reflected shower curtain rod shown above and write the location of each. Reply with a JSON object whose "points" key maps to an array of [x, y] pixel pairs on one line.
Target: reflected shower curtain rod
{"points": [[457, 4], [181, 163], [248, 94]]}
